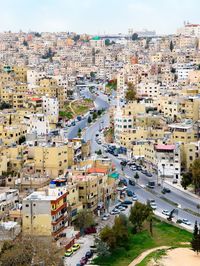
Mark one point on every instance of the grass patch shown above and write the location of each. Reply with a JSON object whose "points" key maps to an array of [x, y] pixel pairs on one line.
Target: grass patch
{"points": [[156, 255], [82, 107], [163, 234]]}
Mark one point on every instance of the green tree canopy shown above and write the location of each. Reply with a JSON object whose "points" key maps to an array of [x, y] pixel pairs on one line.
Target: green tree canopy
{"points": [[186, 180], [139, 213], [196, 174], [84, 219], [131, 92], [134, 37]]}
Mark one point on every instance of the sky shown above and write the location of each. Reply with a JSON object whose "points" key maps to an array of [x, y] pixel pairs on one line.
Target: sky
{"points": [[97, 16]]}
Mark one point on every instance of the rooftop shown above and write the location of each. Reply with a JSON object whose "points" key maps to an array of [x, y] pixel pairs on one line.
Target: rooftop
{"points": [[165, 147]]}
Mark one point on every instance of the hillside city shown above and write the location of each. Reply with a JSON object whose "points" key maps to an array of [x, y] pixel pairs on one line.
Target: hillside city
{"points": [[100, 148]]}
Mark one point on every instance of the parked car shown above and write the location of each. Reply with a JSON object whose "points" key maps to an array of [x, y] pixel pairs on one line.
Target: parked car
{"points": [[90, 230], [134, 198], [129, 193], [124, 205], [104, 218], [75, 247], [131, 182], [166, 212], [149, 174], [83, 261], [186, 221], [89, 254], [153, 205], [127, 202], [68, 252]]}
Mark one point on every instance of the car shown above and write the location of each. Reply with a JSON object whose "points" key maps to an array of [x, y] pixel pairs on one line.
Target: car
{"points": [[123, 181], [121, 208], [69, 252], [153, 205], [151, 184], [149, 174], [144, 171], [174, 181], [75, 247], [185, 221], [134, 198], [104, 218], [124, 205], [165, 190], [133, 168], [83, 261], [166, 212], [131, 182], [127, 202], [90, 230], [129, 193], [89, 254], [114, 212]]}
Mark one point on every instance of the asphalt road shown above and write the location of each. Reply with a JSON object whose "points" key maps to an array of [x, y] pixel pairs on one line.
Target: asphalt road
{"points": [[99, 102], [184, 200]]}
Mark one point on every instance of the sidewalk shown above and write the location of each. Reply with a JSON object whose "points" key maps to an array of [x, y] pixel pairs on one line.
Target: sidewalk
{"points": [[179, 187]]}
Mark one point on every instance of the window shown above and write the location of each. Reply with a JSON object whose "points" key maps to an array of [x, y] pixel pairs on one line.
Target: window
{"points": [[27, 205]]}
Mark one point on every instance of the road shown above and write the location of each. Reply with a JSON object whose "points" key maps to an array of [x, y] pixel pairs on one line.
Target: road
{"points": [[176, 196], [184, 200], [99, 102]]}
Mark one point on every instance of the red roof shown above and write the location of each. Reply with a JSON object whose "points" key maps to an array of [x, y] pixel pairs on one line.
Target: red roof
{"points": [[36, 99], [165, 147], [97, 170]]}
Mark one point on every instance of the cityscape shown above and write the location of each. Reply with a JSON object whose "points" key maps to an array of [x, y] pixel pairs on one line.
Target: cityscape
{"points": [[99, 137]]}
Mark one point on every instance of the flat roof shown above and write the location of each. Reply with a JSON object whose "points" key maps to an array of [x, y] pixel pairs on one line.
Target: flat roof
{"points": [[165, 147]]}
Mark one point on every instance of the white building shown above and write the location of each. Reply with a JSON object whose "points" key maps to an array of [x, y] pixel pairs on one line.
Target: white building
{"points": [[9, 198], [168, 161], [37, 123], [149, 89], [33, 76], [50, 106]]}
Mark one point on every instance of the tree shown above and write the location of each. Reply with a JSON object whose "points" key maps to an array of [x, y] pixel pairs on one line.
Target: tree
{"points": [[107, 235], [94, 116], [186, 180], [99, 152], [195, 232], [131, 92], [89, 119], [24, 251], [92, 74], [171, 46], [84, 220], [107, 42], [79, 132], [139, 213], [136, 176], [196, 174], [102, 248], [134, 37], [120, 230], [195, 243]]}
